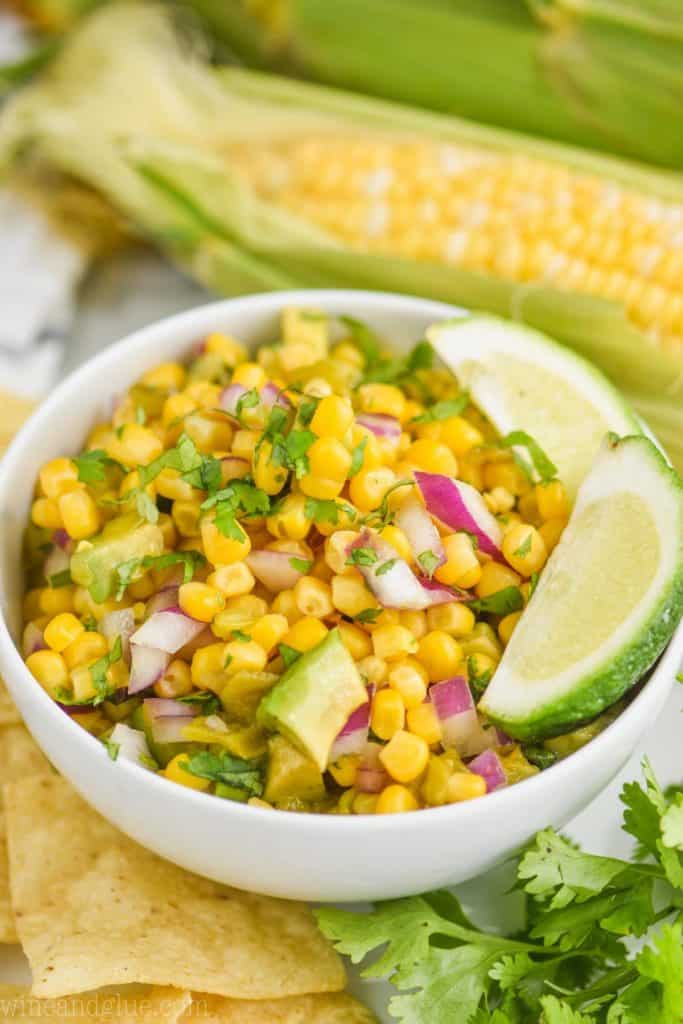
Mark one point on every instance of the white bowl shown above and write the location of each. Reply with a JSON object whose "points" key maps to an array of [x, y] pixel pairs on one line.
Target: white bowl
{"points": [[302, 856]]}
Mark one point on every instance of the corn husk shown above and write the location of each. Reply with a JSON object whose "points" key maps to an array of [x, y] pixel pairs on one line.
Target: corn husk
{"points": [[152, 131]]}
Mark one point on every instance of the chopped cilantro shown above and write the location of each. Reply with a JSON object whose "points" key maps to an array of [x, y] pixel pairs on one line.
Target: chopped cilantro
{"points": [[293, 453], [301, 564], [288, 654], [386, 566], [125, 574], [223, 767], [364, 338], [190, 561], [368, 615], [362, 556], [382, 516], [91, 465], [184, 458], [524, 548], [357, 457], [60, 579], [533, 583], [428, 561], [205, 699], [98, 671], [324, 510], [444, 410], [146, 507], [111, 747], [238, 498], [543, 466], [206, 476], [503, 602], [240, 637], [306, 410], [539, 756], [248, 400], [478, 680], [394, 371]]}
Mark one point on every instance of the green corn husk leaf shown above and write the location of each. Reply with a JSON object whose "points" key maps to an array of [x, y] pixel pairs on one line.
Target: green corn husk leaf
{"points": [[151, 131]]}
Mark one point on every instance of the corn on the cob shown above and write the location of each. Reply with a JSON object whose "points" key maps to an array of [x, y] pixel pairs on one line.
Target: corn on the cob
{"points": [[256, 182]]}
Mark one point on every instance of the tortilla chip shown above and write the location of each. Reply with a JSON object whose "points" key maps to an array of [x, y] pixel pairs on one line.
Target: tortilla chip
{"points": [[8, 932], [9, 714], [146, 1006], [338, 1008], [93, 908]]}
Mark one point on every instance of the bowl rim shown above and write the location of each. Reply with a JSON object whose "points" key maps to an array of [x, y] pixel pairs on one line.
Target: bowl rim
{"points": [[197, 319]]}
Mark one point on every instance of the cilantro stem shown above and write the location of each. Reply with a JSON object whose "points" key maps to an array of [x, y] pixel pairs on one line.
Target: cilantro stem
{"points": [[612, 981]]}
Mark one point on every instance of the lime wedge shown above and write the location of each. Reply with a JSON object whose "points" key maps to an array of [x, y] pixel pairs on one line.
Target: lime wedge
{"points": [[607, 603], [522, 380]]}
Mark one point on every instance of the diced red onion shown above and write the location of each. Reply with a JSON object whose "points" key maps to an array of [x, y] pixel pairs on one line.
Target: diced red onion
{"points": [[167, 631], [131, 743], [398, 587], [75, 709], [274, 569], [423, 537], [461, 507], [120, 623], [32, 639], [62, 539], [490, 767], [458, 719], [163, 599], [147, 666], [57, 561], [380, 425], [353, 737], [230, 396], [272, 395], [371, 777], [202, 639], [233, 468], [165, 707]]}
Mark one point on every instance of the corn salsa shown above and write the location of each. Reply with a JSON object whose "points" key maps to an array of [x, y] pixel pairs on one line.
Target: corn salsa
{"points": [[287, 578]]}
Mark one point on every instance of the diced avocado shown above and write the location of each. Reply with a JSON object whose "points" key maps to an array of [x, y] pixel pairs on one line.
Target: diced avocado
{"points": [[570, 742], [516, 765], [161, 752], [243, 691], [117, 712], [314, 698], [291, 774], [93, 564]]}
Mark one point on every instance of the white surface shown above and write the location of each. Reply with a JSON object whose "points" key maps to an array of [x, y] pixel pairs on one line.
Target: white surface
{"points": [[136, 290]]}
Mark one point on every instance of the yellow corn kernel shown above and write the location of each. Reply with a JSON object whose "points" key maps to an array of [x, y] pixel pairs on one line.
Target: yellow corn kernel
{"points": [[454, 618], [313, 597], [232, 580], [373, 670], [249, 375], [461, 568], [142, 588], [460, 435], [347, 352], [53, 601], [416, 622], [387, 617], [284, 604], [495, 577], [440, 654], [346, 517], [356, 640], [499, 501], [344, 770], [222, 550], [176, 771], [373, 455], [391, 642], [239, 613], [168, 530], [165, 377], [205, 394], [527, 507], [464, 786], [328, 460], [395, 799], [524, 548], [82, 683], [200, 601], [398, 540], [336, 551], [483, 640], [31, 604], [80, 515], [226, 347], [296, 548], [136, 446], [388, 713], [290, 521], [506, 626], [322, 488], [45, 512], [62, 630], [364, 803], [305, 634], [85, 648], [175, 408], [244, 442], [551, 499], [405, 756], [186, 515], [269, 631], [505, 474], [175, 682], [409, 683], [411, 410], [430, 431], [385, 399], [49, 668], [208, 667], [432, 457], [270, 477], [350, 596], [368, 487], [551, 531], [434, 789], [244, 657], [209, 433], [58, 476], [333, 417]]}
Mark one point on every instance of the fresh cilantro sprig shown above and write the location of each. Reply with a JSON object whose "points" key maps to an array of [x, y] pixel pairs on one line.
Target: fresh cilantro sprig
{"points": [[444, 410], [502, 602], [544, 468], [364, 338], [326, 510], [574, 963], [92, 465], [235, 772], [239, 498]]}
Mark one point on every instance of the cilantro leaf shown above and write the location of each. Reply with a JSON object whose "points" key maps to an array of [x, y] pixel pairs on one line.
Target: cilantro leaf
{"points": [[382, 516], [240, 636], [386, 566], [301, 564], [60, 579], [556, 871], [288, 654], [238, 498], [296, 445], [326, 510], [394, 371], [556, 1012], [190, 561], [358, 457], [112, 748], [444, 410], [364, 338], [428, 562], [524, 548], [368, 615], [306, 410], [146, 507], [249, 400], [184, 458], [91, 465], [205, 699], [206, 476], [503, 602], [543, 466], [232, 771], [126, 572], [663, 963], [98, 671], [361, 556]]}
